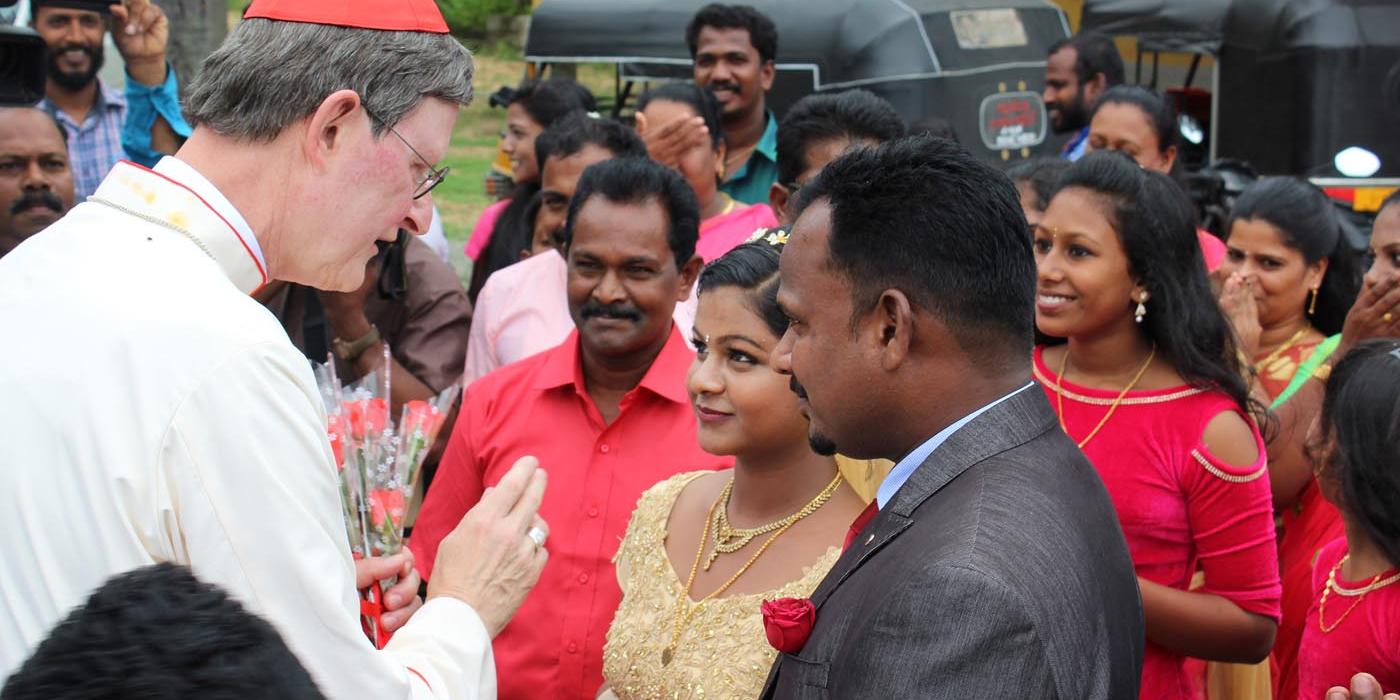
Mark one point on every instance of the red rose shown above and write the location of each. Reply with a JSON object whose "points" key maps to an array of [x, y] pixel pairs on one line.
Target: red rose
{"points": [[386, 503], [788, 622], [336, 432]]}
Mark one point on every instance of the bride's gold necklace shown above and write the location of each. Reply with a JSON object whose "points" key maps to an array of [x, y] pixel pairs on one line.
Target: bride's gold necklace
{"points": [[685, 612], [729, 539]]}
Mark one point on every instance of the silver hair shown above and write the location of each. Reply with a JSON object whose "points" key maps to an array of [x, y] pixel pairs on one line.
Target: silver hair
{"points": [[268, 75]]}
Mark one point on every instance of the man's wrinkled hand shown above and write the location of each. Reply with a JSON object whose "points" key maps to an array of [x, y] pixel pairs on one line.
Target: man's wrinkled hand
{"points": [[488, 561], [401, 600], [1363, 687]]}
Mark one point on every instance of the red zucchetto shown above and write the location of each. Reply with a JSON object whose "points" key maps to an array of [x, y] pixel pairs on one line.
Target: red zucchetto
{"points": [[390, 15]]}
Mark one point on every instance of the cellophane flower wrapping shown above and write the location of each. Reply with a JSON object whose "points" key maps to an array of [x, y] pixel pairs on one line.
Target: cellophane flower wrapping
{"points": [[379, 459]]}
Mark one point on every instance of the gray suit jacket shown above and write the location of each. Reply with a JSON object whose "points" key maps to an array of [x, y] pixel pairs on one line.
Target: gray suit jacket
{"points": [[998, 570]]}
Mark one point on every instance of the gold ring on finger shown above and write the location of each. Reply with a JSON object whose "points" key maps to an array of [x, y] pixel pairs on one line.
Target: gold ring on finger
{"points": [[1388, 317]]}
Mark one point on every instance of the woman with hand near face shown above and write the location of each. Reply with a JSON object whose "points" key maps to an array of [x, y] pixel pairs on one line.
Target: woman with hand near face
{"points": [[1290, 278], [704, 549], [724, 222], [1147, 386]]}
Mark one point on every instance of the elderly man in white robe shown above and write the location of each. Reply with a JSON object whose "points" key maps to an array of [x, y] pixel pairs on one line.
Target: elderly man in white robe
{"points": [[152, 411]]}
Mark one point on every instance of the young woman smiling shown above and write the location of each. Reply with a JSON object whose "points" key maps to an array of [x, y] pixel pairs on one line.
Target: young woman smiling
{"points": [[1146, 384], [704, 549]]}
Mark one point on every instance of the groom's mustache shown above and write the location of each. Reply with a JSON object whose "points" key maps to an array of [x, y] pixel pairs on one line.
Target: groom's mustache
{"points": [[797, 388]]}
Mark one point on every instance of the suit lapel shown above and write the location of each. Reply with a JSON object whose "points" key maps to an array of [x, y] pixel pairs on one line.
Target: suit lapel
{"points": [[1011, 423]]}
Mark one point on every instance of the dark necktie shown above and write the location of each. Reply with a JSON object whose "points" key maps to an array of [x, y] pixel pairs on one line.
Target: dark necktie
{"points": [[860, 522]]}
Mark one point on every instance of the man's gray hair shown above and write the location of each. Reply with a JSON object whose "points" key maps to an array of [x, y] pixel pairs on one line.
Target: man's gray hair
{"points": [[268, 75]]}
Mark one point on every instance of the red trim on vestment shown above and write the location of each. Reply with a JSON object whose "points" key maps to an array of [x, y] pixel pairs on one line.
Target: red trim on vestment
{"points": [[420, 677], [230, 226]]}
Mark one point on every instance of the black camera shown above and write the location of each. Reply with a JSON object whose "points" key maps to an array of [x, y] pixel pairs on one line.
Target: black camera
{"points": [[21, 65]]}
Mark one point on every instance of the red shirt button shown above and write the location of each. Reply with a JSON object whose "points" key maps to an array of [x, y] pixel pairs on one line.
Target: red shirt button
{"points": [[573, 648], [604, 449], [592, 512], [583, 578]]}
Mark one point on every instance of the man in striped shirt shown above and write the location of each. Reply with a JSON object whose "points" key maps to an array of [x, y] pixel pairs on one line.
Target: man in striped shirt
{"points": [[104, 124]]}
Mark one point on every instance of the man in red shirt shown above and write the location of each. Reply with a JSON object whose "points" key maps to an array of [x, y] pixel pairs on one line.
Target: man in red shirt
{"points": [[606, 413]]}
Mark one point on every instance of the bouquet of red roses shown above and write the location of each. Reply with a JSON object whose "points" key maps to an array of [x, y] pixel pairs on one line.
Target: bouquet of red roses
{"points": [[379, 461]]}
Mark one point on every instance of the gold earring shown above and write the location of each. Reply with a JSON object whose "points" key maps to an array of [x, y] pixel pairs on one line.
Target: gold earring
{"points": [[1312, 305], [1141, 311]]}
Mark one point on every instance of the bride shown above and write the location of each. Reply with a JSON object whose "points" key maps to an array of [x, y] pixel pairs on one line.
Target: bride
{"points": [[705, 549]]}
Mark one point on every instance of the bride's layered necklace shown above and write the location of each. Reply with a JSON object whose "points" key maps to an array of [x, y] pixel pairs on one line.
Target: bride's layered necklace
{"points": [[727, 540]]}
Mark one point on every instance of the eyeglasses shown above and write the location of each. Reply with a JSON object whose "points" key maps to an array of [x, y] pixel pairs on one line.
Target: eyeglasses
{"points": [[435, 176]]}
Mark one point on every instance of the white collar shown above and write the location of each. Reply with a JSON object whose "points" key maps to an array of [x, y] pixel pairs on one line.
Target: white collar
{"points": [[185, 174]]}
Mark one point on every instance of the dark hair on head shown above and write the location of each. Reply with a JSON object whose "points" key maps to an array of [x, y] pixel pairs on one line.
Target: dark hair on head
{"points": [[935, 126], [1161, 116], [763, 34], [1310, 226], [158, 631], [1156, 224], [752, 267], [854, 115], [635, 181], [569, 135], [1041, 174], [548, 101], [1094, 53], [697, 98], [1361, 419], [921, 215]]}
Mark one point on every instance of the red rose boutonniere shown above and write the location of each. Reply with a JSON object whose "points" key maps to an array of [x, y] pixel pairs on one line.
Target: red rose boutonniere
{"points": [[788, 622]]}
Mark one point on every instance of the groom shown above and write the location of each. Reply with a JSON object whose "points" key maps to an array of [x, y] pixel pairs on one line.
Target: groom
{"points": [[995, 566]]}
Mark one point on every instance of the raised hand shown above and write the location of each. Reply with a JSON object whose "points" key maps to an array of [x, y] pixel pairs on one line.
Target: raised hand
{"points": [[1363, 687], [489, 561], [1375, 314], [141, 32], [666, 143], [1241, 307]]}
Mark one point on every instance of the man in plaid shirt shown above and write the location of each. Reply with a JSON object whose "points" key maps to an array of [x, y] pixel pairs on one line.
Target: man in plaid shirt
{"points": [[105, 125]]}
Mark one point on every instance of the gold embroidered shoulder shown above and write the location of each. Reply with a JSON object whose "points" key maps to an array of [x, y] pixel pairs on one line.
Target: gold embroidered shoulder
{"points": [[722, 653]]}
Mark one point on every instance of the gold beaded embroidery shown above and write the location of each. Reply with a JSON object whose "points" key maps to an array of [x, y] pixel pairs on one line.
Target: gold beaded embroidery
{"points": [[723, 652]]}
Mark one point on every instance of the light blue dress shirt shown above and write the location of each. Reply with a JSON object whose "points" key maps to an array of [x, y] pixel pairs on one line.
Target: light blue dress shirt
{"points": [[905, 468]]}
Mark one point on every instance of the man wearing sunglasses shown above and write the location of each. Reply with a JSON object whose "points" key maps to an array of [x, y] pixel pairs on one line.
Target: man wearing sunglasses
{"points": [[155, 412]]}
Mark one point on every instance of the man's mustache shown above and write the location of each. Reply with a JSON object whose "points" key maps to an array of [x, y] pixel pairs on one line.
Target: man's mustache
{"points": [[724, 85], [626, 312], [32, 198], [797, 388]]}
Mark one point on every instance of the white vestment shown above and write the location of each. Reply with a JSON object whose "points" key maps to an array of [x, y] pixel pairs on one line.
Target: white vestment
{"points": [[151, 411]]}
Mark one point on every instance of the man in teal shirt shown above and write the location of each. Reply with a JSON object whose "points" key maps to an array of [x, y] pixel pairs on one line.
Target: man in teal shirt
{"points": [[733, 47]]}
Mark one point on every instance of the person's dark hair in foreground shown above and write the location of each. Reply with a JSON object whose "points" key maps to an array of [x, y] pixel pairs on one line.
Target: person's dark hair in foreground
{"points": [[158, 632]]}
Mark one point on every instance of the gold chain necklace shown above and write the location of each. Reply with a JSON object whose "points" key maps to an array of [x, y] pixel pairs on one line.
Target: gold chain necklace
{"points": [[1260, 365], [1060, 395], [1358, 593], [685, 612], [729, 539]]}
